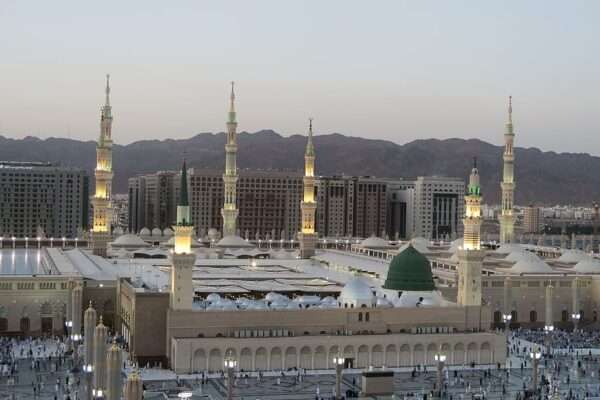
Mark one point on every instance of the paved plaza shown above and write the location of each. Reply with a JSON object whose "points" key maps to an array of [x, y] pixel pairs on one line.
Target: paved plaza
{"points": [[42, 370]]}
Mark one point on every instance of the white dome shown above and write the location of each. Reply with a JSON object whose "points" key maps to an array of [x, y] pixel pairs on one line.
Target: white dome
{"points": [[532, 264], [375, 242], [455, 245], [383, 303], [213, 234], [272, 296], [118, 231], [156, 232], [233, 241], [588, 265], [519, 255], [508, 248], [357, 292], [168, 232], [572, 256], [213, 297], [417, 244], [419, 299], [145, 232], [129, 240]]}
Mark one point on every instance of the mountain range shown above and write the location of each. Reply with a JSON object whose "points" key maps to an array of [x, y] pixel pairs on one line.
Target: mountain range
{"points": [[542, 177]]}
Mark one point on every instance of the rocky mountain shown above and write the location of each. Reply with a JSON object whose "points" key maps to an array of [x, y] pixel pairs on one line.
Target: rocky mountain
{"points": [[542, 177]]}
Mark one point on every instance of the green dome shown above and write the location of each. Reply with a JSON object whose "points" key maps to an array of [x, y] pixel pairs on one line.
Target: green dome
{"points": [[410, 271]]}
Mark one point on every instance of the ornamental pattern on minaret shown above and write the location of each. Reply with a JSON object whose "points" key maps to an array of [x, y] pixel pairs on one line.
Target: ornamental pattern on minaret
{"points": [[308, 206], [472, 220], [103, 171], [229, 211], [508, 181]]}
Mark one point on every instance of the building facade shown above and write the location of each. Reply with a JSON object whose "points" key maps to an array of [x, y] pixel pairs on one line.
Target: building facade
{"points": [[152, 200], [531, 219], [42, 199]]}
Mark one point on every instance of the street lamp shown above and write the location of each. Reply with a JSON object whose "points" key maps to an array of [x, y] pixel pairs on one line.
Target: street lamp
{"points": [[506, 318], [339, 362], [440, 359], [548, 329], [97, 394], [230, 364], [87, 370], [576, 317], [185, 395], [39, 240], [535, 356]]}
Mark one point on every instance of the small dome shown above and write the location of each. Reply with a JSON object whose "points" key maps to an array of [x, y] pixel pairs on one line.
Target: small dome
{"points": [[168, 232], [156, 232], [455, 245], [508, 248], [531, 264], [383, 303], [572, 256], [519, 255], [588, 265], [233, 241], [145, 232], [118, 231], [375, 242], [213, 234], [409, 270], [129, 240], [213, 297], [357, 292]]}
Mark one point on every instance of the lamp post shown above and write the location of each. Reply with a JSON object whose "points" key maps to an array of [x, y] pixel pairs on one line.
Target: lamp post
{"points": [[97, 394], [548, 329], [338, 361], [75, 338], [230, 364], [69, 325], [535, 359], [576, 317], [506, 318], [88, 369], [440, 359], [185, 395], [39, 240]]}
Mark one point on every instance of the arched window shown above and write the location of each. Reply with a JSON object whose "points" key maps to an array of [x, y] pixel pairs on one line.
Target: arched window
{"points": [[497, 317], [367, 317], [3, 324], [359, 317], [564, 316], [24, 324], [533, 316]]}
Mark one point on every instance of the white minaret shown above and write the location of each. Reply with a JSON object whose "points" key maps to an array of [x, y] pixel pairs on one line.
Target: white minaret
{"points": [[549, 315], [470, 256], [229, 210], [182, 256], [507, 220], [114, 384], [133, 389], [307, 235], [104, 174], [100, 356], [89, 325]]}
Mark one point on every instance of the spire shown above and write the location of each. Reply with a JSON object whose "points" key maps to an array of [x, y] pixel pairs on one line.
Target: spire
{"points": [[474, 185], [232, 118], [510, 109], [183, 193], [474, 162], [310, 147], [107, 90]]}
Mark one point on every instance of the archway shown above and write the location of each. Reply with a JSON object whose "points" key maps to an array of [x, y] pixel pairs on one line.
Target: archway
{"points": [[246, 359], [533, 316], [24, 325], [349, 356], [215, 361], [432, 350], [377, 356], [419, 354], [261, 359], [405, 356], [459, 354], [486, 353], [363, 357], [472, 353], [199, 364], [276, 359], [320, 358], [306, 358], [290, 358]]}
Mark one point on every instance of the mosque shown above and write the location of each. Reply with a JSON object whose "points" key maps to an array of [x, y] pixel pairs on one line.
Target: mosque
{"points": [[376, 302]]}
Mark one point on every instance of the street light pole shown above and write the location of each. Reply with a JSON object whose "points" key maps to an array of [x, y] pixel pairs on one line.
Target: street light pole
{"points": [[441, 360], [88, 369], [338, 361], [535, 358], [230, 364], [548, 338], [576, 317]]}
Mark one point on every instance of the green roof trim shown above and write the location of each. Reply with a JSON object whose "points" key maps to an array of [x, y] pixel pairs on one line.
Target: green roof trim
{"points": [[409, 271]]}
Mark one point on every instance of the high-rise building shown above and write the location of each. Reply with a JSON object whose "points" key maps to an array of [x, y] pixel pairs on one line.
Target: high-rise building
{"points": [[438, 206], [307, 235], [154, 198], [507, 218], [531, 219], [349, 206], [101, 227], [42, 198], [470, 256], [230, 211]]}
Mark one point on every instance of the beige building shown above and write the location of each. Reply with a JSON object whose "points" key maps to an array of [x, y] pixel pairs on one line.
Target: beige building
{"points": [[531, 219]]}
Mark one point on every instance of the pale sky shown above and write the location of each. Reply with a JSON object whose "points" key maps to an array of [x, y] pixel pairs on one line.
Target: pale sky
{"points": [[396, 70]]}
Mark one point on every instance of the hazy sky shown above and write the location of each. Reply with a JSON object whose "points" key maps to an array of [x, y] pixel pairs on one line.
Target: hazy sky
{"points": [[397, 70]]}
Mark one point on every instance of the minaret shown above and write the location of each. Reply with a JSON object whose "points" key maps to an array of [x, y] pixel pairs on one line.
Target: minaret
{"points": [[470, 256], [507, 220], [307, 236], [102, 198], [229, 210], [100, 356], [133, 389], [114, 360], [182, 256], [89, 325]]}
